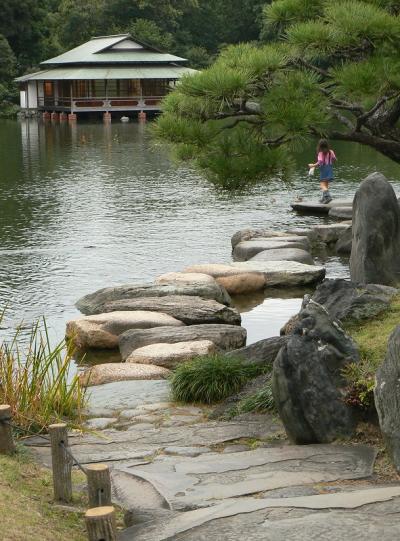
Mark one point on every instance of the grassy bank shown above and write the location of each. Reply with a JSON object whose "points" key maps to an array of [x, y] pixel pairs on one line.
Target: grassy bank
{"points": [[26, 507], [372, 338]]}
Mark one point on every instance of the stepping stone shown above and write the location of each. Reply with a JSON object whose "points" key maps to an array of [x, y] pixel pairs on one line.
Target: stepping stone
{"points": [[190, 310], [94, 302], [171, 355], [288, 254], [283, 273], [185, 277], [312, 207], [102, 331], [249, 248], [248, 234], [186, 451], [346, 213], [225, 337], [330, 233], [111, 372], [240, 284]]}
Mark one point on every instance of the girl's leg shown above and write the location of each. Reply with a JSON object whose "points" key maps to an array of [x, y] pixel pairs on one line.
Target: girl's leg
{"points": [[324, 184]]}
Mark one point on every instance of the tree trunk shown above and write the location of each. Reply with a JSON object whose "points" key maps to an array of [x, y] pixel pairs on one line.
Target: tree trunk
{"points": [[387, 147]]}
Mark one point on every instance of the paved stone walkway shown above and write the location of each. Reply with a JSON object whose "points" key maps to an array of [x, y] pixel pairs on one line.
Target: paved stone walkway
{"points": [[182, 477]]}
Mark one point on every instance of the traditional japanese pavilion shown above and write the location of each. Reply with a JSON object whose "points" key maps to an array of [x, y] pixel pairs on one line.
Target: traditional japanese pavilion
{"points": [[106, 74]]}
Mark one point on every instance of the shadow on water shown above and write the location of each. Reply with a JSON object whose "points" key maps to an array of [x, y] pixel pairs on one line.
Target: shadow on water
{"points": [[90, 205]]}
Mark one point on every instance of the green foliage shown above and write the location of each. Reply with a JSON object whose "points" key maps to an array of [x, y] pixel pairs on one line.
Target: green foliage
{"points": [[36, 382], [149, 32], [210, 379], [282, 13], [372, 338], [260, 401]]}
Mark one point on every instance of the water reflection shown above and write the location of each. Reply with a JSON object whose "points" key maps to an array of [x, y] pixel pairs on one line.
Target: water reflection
{"points": [[89, 205]]}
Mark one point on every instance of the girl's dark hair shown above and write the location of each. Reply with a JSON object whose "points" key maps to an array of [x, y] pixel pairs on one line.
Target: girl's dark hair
{"points": [[323, 146]]}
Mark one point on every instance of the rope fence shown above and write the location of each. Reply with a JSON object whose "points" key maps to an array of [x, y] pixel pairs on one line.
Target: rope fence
{"points": [[100, 517]]}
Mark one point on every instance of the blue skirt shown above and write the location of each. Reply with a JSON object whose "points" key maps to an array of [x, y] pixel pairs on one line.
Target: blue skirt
{"points": [[326, 172]]}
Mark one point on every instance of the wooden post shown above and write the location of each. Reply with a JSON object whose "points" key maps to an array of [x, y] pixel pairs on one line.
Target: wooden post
{"points": [[99, 485], [61, 462], [6, 437], [101, 524]]}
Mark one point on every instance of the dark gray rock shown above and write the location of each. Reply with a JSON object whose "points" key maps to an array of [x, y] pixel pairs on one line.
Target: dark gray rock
{"points": [[190, 310], [387, 397], [343, 244], [375, 255], [351, 302], [94, 302], [261, 353], [285, 254], [308, 385], [225, 337]]}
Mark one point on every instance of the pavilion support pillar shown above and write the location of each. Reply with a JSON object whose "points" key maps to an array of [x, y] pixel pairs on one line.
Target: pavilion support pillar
{"points": [[142, 117], [46, 115], [54, 116], [72, 117], [107, 117], [63, 117]]}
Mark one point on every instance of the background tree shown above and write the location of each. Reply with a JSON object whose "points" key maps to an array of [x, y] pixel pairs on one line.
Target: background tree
{"points": [[329, 69]]}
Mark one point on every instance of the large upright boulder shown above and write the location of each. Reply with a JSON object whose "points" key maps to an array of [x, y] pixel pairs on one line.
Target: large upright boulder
{"points": [[308, 383], [375, 254], [387, 396]]}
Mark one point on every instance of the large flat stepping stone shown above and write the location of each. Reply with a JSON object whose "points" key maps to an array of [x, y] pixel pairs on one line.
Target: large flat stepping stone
{"points": [[283, 273], [288, 254], [195, 482], [171, 355], [312, 207], [102, 330], [191, 310], [225, 337], [94, 302], [110, 372], [234, 281], [358, 514], [330, 233], [249, 248]]}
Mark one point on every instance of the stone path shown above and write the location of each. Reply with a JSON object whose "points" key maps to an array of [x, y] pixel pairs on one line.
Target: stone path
{"points": [[183, 477]]}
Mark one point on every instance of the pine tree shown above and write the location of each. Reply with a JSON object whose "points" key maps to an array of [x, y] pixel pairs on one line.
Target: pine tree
{"points": [[327, 69]]}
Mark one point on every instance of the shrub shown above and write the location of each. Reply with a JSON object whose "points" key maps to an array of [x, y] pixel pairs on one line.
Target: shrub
{"points": [[262, 400], [210, 378], [35, 381]]}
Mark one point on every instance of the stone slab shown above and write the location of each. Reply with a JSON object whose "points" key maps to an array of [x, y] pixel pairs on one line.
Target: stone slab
{"points": [[249, 248], [297, 529], [345, 213], [171, 355], [313, 207]]}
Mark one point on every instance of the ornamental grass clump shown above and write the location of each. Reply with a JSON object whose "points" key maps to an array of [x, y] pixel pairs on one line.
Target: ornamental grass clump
{"points": [[210, 379], [260, 401], [35, 380]]}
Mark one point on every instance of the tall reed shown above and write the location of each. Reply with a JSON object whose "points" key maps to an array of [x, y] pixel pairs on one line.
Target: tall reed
{"points": [[35, 380]]}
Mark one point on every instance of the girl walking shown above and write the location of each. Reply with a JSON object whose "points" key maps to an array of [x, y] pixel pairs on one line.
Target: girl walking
{"points": [[325, 160]]}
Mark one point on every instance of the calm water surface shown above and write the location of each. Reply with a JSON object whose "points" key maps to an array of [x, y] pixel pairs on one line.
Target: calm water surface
{"points": [[88, 206]]}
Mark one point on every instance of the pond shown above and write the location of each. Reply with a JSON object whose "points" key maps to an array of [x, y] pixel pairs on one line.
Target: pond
{"points": [[92, 205]]}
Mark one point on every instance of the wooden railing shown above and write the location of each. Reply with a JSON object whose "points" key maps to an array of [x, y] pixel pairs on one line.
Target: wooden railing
{"points": [[101, 104]]}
